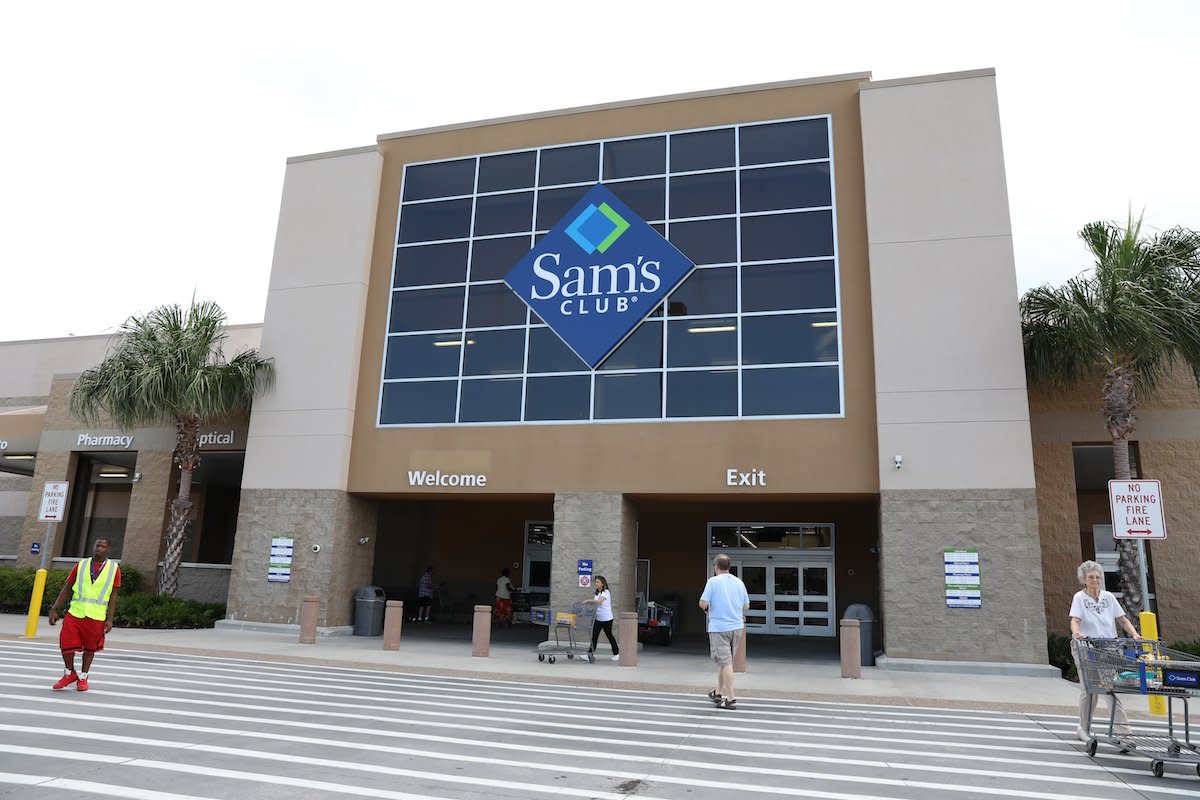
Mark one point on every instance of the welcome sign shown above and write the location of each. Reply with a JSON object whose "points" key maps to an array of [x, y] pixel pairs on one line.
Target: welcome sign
{"points": [[597, 274]]}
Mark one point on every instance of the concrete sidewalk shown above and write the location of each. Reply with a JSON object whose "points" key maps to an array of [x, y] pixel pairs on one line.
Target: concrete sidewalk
{"points": [[446, 650]]}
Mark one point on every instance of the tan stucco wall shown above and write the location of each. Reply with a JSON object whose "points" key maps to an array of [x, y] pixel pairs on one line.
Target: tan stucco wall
{"points": [[666, 457], [1168, 439], [299, 434]]}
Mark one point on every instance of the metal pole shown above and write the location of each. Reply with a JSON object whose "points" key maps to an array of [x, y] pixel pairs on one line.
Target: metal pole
{"points": [[1142, 570], [46, 542]]}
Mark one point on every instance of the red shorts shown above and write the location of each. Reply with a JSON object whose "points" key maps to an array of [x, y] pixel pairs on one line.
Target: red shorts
{"points": [[504, 608], [81, 634]]}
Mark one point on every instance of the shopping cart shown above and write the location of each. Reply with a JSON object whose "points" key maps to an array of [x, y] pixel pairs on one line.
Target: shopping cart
{"points": [[565, 624], [1139, 666]]}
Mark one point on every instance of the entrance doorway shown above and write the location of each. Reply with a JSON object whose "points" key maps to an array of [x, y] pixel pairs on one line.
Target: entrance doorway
{"points": [[788, 572], [539, 542]]}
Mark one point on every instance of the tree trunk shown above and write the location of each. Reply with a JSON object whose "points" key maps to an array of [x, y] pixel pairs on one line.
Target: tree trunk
{"points": [[187, 456], [1120, 417]]}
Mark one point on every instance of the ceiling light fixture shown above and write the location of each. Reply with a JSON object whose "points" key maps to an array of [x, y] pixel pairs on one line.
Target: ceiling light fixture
{"points": [[824, 324], [20, 458], [714, 329]]}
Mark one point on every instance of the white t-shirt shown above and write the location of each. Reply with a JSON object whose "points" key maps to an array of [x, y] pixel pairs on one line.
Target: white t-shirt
{"points": [[502, 584], [604, 607], [1097, 618]]}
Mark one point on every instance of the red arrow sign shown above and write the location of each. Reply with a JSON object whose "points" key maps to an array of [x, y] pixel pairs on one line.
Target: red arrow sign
{"points": [[1142, 531]]}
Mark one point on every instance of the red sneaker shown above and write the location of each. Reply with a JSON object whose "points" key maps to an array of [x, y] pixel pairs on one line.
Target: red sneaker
{"points": [[81, 685], [65, 681]]}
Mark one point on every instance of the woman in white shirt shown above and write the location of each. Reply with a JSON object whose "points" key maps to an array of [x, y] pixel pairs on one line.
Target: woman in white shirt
{"points": [[1095, 614], [604, 616]]}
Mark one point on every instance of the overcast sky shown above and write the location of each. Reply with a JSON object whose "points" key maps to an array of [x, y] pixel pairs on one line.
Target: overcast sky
{"points": [[143, 145]]}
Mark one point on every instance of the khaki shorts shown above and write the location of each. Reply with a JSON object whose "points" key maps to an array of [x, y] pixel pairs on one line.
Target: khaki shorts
{"points": [[723, 645]]}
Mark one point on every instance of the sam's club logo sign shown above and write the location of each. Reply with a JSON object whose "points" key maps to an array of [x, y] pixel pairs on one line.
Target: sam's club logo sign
{"points": [[597, 274]]}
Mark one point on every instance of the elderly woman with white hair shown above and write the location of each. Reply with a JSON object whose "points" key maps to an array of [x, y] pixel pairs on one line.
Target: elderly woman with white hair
{"points": [[1095, 614]]}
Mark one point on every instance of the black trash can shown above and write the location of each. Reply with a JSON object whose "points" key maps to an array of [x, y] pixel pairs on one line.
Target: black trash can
{"points": [[866, 621], [369, 603]]}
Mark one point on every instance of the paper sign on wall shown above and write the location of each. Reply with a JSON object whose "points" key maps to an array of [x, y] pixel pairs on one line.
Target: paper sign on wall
{"points": [[962, 577], [279, 567]]}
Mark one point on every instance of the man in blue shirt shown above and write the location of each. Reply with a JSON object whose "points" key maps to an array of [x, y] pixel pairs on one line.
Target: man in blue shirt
{"points": [[725, 602]]}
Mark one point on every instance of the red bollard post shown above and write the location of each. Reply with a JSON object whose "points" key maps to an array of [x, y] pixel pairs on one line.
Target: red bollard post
{"points": [[739, 658], [481, 632], [393, 620], [309, 607], [627, 639]]}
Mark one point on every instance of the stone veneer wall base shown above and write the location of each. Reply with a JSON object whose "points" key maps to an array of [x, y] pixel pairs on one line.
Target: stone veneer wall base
{"points": [[968, 667], [916, 526]]}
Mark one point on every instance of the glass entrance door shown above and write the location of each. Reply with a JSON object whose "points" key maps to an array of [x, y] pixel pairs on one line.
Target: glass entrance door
{"points": [[787, 598], [539, 542]]}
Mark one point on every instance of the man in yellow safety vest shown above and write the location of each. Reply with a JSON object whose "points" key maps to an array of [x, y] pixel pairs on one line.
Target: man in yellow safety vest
{"points": [[92, 587]]}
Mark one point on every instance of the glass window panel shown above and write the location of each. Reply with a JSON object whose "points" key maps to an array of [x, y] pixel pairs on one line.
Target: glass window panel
{"points": [[507, 171], [778, 236], [491, 259], [702, 342], [787, 581], [811, 606], [784, 141], [786, 620], [428, 222], [548, 353], [632, 157], [578, 164], [710, 241], [781, 605], [784, 338], [635, 395], [816, 581], [418, 402], [492, 400], [723, 536], [504, 213], [641, 350], [443, 179], [702, 393], [790, 390], [818, 537], [789, 285], [434, 356], [427, 309], [494, 352], [706, 291], [755, 579], [702, 150], [431, 263], [648, 199], [559, 397], [553, 204], [704, 195], [494, 304], [795, 186], [816, 622]]}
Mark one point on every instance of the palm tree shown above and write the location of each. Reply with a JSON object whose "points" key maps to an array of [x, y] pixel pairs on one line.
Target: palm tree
{"points": [[1132, 318], [169, 367]]}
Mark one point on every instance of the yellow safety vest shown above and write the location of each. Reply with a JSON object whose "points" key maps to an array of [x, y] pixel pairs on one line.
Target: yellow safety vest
{"points": [[89, 600]]}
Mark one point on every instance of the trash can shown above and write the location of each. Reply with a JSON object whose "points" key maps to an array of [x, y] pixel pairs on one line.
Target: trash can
{"points": [[866, 621], [369, 603]]}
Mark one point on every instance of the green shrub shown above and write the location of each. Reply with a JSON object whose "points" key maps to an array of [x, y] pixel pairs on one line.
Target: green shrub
{"points": [[160, 611], [1188, 647], [134, 609], [1058, 648]]}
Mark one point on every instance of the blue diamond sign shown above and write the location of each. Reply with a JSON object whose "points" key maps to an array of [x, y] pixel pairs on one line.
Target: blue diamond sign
{"points": [[597, 274]]}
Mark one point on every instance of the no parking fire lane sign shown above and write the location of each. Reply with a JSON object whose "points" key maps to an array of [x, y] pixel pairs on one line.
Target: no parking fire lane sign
{"points": [[1137, 510]]}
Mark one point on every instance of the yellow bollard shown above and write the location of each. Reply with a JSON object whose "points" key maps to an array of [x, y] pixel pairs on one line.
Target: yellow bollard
{"points": [[35, 604], [1149, 625]]}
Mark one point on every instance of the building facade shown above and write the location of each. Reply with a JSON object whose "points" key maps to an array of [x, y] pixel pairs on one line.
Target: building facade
{"points": [[775, 321]]}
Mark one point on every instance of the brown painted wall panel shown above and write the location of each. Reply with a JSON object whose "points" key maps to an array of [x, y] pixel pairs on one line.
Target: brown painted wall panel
{"points": [[809, 456]]}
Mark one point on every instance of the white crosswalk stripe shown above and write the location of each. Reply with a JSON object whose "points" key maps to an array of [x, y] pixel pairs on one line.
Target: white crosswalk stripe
{"points": [[163, 726]]}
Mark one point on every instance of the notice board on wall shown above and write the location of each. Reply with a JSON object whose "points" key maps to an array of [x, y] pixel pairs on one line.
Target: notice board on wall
{"points": [[961, 568], [279, 566]]}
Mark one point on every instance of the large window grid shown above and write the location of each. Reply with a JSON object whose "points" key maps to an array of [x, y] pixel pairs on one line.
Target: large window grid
{"points": [[511, 332]]}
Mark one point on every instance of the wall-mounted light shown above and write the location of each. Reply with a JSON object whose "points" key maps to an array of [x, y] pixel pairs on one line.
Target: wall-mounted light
{"points": [[364, 539], [114, 475], [19, 458]]}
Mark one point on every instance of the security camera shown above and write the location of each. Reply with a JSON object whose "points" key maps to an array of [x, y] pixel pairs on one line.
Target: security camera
{"points": [[899, 461], [364, 539], [316, 548]]}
